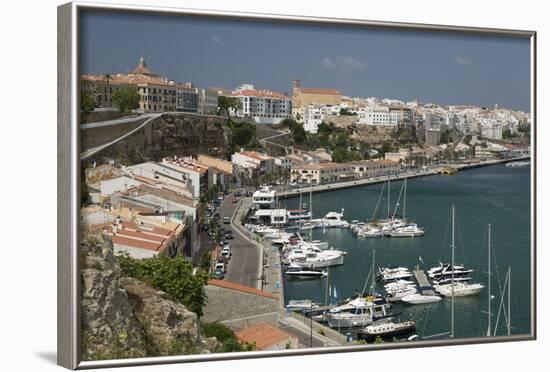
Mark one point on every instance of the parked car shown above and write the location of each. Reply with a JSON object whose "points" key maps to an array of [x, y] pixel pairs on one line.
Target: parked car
{"points": [[220, 266], [238, 194], [235, 200], [226, 220], [219, 274], [228, 235], [226, 254]]}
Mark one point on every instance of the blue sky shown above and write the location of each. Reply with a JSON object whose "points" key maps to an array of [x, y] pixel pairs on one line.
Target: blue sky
{"points": [[445, 68]]}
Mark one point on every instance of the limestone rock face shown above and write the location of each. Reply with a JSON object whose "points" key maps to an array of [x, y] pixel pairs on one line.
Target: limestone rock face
{"points": [[109, 329], [170, 327], [126, 318]]}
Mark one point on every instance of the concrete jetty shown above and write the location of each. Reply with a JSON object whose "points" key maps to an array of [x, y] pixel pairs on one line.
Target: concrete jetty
{"points": [[425, 286]]}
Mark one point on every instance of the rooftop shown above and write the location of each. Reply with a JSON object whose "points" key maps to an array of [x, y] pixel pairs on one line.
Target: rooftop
{"points": [[264, 93], [255, 155], [320, 91], [263, 335]]}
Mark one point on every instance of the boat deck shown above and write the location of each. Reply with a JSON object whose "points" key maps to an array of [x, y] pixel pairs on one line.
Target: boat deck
{"points": [[425, 286]]}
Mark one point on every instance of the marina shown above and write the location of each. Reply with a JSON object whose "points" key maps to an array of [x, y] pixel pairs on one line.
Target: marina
{"points": [[505, 207]]}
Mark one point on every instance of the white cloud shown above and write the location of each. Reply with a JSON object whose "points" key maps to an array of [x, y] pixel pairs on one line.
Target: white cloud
{"points": [[463, 60], [342, 62], [215, 39]]}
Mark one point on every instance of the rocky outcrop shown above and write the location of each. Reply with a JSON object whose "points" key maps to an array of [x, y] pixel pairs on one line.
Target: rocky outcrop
{"points": [[180, 134], [126, 318], [109, 329], [171, 328]]}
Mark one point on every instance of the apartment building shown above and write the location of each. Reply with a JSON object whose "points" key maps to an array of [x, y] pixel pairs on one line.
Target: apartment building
{"points": [[263, 106], [253, 163], [381, 116], [157, 94], [374, 168], [321, 173]]}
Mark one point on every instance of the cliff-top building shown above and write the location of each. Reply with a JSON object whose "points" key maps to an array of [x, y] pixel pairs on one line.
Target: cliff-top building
{"points": [[303, 97], [156, 93]]}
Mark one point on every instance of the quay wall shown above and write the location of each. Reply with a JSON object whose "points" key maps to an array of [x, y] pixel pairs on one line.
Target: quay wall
{"points": [[394, 177]]}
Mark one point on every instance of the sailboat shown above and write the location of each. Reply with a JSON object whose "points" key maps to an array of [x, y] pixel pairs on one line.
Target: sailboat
{"points": [[457, 288]]}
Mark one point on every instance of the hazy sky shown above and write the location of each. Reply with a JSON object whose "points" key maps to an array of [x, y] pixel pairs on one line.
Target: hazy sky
{"points": [[444, 68]]}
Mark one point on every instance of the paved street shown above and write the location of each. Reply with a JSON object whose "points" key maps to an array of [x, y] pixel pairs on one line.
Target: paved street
{"points": [[243, 266]]}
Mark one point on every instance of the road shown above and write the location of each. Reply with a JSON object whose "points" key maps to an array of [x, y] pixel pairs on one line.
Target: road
{"points": [[245, 258]]}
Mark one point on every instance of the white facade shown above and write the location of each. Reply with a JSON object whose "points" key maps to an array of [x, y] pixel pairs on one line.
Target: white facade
{"points": [[378, 117], [263, 106]]}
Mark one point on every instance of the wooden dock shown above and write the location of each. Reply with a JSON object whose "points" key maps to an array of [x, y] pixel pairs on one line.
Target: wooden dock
{"points": [[425, 286]]}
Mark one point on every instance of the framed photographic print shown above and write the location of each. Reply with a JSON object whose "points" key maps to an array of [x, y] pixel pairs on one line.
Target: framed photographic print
{"points": [[237, 185]]}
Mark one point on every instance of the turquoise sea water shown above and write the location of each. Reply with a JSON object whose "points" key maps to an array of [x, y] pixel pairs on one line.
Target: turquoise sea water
{"points": [[499, 195]]}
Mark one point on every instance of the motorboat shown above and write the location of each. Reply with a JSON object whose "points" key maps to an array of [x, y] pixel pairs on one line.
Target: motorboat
{"points": [[301, 305], [331, 219], [461, 289], [386, 330], [398, 294], [392, 274], [297, 271], [417, 298], [370, 231], [358, 312], [410, 230], [315, 258]]}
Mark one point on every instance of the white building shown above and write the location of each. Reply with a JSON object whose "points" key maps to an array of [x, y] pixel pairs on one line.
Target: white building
{"points": [[256, 163], [271, 216], [263, 106], [118, 184], [381, 116]]}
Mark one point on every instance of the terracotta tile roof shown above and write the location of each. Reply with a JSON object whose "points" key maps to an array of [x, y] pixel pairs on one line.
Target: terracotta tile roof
{"points": [[255, 155], [320, 91], [137, 243], [240, 288], [263, 335]]}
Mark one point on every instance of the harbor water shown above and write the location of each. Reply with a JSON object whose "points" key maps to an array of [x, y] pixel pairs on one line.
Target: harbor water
{"points": [[496, 194]]}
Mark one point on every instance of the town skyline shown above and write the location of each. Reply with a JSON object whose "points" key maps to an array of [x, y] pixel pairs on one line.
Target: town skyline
{"points": [[444, 69]]}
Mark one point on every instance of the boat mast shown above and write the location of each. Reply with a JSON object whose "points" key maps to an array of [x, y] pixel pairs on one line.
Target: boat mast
{"points": [[389, 194], [326, 289], [373, 273], [300, 218], [453, 274], [509, 320], [489, 315], [405, 199], [310, 209]]}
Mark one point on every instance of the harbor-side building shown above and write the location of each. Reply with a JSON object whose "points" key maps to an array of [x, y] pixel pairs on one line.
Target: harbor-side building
{"points": [[321, 173], [267, 337], [252, 164], [374, 168]]}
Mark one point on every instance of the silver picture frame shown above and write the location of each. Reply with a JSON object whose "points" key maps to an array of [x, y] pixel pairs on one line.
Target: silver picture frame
{"points": [[68, 183]]}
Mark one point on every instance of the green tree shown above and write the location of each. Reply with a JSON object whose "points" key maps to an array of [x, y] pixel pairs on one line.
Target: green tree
{"points": [[386, 147], [87, 102], [175, 276], [126, 99], [227, 104], [242, 135], [346, 112], [339, 155]]}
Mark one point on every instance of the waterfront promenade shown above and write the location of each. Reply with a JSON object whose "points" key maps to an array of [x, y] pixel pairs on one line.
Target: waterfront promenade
{"points": [[282, 194]]}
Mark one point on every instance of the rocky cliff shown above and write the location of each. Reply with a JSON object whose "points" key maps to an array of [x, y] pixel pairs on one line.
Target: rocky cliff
{"points": [[181, 134], [126, 318]]}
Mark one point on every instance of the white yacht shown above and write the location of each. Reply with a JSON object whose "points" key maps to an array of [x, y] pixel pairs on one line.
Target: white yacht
{"points": [[297, 271], [301, 305], [418, 298], [392, 274], [410, 230], [461, 289], [314, 258], [358, 312], [370, 231], [331, 219]]}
